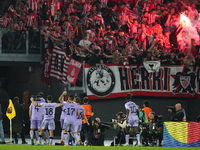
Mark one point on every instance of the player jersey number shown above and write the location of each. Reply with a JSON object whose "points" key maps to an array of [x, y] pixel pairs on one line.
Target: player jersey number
{"points": [[133, 109], [49, 111], [70, 112], [37, 108], [79, 117]]}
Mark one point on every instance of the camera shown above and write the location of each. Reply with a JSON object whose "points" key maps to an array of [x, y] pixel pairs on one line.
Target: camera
{"points": [[197, 119], [113, 120], [158, 117], [171, 107]]}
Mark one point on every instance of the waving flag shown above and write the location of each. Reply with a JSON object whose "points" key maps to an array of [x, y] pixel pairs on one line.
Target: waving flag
{"points": [[59, 64], [53, 8], [10, 113]]}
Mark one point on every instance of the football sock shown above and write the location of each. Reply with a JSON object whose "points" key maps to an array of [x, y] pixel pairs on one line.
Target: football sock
{"points": [[127, 138], [47, 134], [37, 134], [40, 138], [31, 134], [138, 138], [66, 137], [62, 134], [51, 140]]}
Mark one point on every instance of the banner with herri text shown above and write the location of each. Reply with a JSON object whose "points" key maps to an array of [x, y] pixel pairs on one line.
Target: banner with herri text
{"points": [[111, 81]]}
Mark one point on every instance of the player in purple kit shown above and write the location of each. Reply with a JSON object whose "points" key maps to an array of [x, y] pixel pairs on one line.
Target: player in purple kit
{"points": [[131, 118], [46, 132], [36, 117], [62, 117], [70, 117], [49, 114], [78, 124]]}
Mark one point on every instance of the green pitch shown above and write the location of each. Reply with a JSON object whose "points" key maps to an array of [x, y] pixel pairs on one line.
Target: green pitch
{"points": [[29, 147]]}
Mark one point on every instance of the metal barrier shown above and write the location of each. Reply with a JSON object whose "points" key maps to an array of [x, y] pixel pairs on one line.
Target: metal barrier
{"points": [[20, 45]]}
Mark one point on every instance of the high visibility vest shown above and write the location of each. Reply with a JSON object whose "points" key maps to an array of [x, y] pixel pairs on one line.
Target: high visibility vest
{"points": [[88, 112], [147, 111]]}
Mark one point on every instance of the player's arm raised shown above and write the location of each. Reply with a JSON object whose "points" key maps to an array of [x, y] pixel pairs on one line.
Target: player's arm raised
{"points": [[34, 103], [61, 98]]}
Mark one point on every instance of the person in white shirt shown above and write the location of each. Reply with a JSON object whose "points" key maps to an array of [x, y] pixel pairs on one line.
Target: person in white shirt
{"points": [[192, 12], [84, 43]]}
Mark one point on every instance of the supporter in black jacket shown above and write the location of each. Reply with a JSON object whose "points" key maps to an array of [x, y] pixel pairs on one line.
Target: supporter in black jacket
{"points": [[95, 59], [136, 59], [18, 121], [173, 35], [197, 59]]}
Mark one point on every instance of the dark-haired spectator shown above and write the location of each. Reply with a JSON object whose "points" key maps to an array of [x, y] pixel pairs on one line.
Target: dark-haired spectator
{"points": [[173, 35], [164, 56], [148, 57], [18, 121], [179, 56], [122, 40], [73, 19], [96, 58], [171, 60], [147, 6], [79, 32], [136, 59], [146, 109], [70, 9], [156, 55], [134, 25], [88, 113], [110, 43], [116, 58]]}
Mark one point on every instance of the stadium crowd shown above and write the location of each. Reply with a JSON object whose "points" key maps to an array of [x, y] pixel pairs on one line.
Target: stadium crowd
{"points": [[102, 31]]}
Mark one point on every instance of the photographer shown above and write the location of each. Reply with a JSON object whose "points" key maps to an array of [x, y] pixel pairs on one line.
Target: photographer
{"points": [[143, 122], [178, 113], [155, 129], [120, 125], [97, 134]]}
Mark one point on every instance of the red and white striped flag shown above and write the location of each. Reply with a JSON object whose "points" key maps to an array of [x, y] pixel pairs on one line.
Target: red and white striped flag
{"points": [[34, 4], [53, 8], [59, 64]]}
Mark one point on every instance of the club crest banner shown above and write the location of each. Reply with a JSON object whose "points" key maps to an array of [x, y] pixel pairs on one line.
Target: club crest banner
{"points": [[111, 81]]}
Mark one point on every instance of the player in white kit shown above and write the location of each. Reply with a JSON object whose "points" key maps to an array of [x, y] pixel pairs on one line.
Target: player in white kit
{"points": [[70, 117], [131, 118], [49, 114], [78, 125]]}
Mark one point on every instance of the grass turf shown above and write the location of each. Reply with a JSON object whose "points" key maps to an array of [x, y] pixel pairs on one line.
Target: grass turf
{"points": [[30, 147]]}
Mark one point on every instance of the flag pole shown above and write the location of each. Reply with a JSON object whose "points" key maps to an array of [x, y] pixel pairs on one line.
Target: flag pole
{"points": [[10, 131]]}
